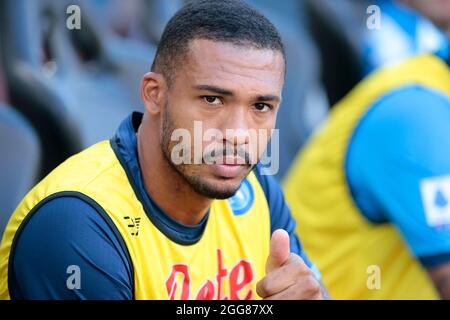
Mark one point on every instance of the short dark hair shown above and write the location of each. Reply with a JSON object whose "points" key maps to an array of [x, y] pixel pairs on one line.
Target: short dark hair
{"points": [[218, 20]]}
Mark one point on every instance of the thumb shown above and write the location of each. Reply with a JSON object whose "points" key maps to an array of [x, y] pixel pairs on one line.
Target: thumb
{"points": [[279, 250]]}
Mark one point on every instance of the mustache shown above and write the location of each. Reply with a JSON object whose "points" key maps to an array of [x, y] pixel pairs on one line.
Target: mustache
{"points": [[225, 155]]}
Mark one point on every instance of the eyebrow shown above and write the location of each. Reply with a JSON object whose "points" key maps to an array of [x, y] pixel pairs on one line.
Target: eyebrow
{"points": [[214, 89], [269, 97], [226, 92]]}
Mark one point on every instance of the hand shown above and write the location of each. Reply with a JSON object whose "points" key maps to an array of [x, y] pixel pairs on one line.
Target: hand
{"points": [[287, 275]]}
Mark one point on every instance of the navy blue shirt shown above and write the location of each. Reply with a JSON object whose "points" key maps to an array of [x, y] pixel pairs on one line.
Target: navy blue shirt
{"points": [[68, 231]]}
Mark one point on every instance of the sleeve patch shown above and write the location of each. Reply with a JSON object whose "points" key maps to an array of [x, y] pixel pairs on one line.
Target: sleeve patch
{"points": [[435, 193]]}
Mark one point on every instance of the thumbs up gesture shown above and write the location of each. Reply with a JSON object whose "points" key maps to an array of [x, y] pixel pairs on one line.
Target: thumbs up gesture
{"points": [[287, 275]]}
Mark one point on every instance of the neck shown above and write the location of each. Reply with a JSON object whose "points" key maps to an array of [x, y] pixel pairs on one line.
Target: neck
{"points": [[164, 184]]}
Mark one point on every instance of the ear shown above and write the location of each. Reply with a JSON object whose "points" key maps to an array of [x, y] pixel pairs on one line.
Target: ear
{"points": [[153, 92]]}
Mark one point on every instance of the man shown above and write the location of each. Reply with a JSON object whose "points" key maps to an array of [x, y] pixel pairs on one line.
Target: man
{"points": [[125, 219], [372, 188], [412, 33]]}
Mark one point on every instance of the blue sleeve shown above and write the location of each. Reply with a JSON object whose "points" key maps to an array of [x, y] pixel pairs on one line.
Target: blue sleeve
{"points": [[67, 250], [281, 217], [398, 169]]}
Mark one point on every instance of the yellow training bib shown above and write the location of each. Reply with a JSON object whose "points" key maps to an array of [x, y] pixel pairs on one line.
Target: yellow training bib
{"points": [[225, 263]]}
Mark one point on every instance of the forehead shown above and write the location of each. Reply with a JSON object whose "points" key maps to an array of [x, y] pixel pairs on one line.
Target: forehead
{"points": [[224, 63]]}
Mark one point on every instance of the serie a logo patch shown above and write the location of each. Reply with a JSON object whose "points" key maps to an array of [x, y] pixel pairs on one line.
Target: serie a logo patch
{"points": [[436, 200]]}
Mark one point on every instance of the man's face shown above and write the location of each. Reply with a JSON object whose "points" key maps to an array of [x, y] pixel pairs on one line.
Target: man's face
{"points": [[232, 93]]}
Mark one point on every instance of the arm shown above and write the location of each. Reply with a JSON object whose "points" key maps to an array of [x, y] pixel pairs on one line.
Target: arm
{"points": [[441, 278], [75, 255], [398, 168]]}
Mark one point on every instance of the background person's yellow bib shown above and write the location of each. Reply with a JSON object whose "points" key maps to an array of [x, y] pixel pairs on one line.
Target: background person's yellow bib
{"points": [[342, 242]]}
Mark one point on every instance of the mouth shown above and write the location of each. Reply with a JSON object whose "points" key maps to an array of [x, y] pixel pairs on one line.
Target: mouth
{"points": [[228, 170], [229, 167]]}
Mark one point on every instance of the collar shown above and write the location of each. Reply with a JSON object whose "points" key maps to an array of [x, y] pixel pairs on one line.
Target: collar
{"points": [[124, 144]]}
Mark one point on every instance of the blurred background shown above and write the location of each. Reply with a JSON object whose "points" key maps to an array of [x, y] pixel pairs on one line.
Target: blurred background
{"points": [[62, 90]]}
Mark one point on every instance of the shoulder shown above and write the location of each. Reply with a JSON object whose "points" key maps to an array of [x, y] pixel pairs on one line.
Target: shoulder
{"points": [[63, 232], [405, 116], [84, 168]]}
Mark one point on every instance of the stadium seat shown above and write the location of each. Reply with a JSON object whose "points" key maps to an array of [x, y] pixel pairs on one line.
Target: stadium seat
{"points": [[337, 27], [304, 99], [66, 82], [19, 164], [128, 57], [30, 89], [157, 14], [20, 156]]}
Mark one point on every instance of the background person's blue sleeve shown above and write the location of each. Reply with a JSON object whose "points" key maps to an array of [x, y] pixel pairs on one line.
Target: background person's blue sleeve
{"points": [[281, 217], [69, 232], [400, 148]]}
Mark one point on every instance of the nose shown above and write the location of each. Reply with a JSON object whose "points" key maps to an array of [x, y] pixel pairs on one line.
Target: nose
{"points": [[235, 127]]}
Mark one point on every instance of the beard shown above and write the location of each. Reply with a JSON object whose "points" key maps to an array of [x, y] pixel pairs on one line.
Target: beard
{"points": [[199, 184]]}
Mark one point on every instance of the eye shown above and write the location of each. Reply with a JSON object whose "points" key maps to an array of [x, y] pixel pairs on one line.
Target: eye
{"points": [[213, 100], [262, 107]]}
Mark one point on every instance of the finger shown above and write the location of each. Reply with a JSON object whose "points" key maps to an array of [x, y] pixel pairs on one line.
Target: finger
{"points": [[279, 250], [307, 289], [283, 277]]}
